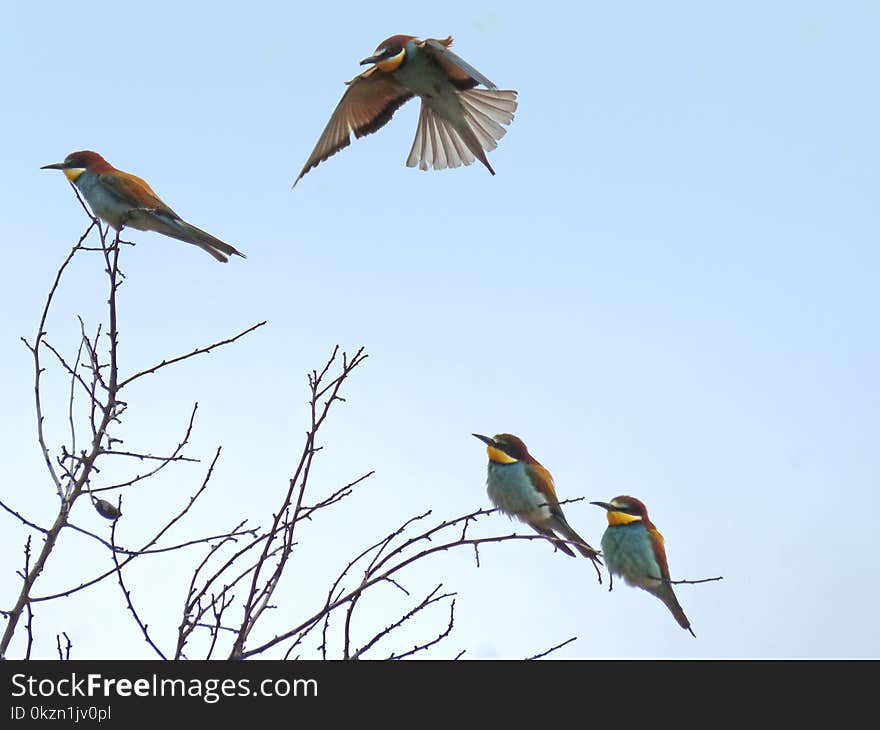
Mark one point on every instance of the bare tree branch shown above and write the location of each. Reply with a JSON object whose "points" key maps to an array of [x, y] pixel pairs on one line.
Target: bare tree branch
{"points": [[432, 597], [551, 649], [74, 469], [38, 368], [394, 561], [73, 490], [237, 574], [694, 582], [174, 454], [322, 398], [65, 654], [152, 541], [23, 520], [127, 594], [250, 532], [194, 353], [436, 640]]}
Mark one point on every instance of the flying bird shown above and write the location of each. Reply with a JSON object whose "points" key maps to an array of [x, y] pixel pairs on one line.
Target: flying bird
{"points": [[458, 123]]}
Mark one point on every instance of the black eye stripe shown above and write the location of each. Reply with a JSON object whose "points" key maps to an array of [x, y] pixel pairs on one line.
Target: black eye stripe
{"points": [[511, 450]]}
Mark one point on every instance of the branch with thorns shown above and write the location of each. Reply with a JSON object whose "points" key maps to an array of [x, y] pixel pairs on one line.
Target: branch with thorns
{"points": [[94, 372], [385, 559]]}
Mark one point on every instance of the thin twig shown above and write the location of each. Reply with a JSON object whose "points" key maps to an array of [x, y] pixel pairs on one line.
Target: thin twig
{"points": [[551, 649], [262, 588], [68, 496], [177, 449], [152, 541], [127, 593], [250, 532], [378, 577], [65, 655], [694, 582], [38, 368], [436, 640], [432, 597], [23, 519], [197, 351]]}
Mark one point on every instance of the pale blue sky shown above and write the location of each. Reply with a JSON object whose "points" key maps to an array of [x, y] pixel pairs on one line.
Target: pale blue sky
{"points": [[669, 289]]}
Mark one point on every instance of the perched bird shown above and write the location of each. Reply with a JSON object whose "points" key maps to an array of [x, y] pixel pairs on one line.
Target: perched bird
{"points": [[521, 487], [633, 548], [122, 199], [457, 122]]}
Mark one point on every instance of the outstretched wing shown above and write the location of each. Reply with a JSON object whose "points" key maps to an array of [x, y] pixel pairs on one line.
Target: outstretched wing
{"points": [[367, 105], [459, 71]]}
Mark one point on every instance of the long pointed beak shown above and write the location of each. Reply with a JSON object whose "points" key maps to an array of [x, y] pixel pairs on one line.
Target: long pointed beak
{"points": [[53, 166], [370, 59], [485, 439], [605, 505]]}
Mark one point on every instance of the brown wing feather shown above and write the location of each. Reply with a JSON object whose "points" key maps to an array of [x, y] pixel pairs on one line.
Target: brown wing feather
{"points": [[462, 75], [436, 49], [134, 191], [367, 105], [543, 480], [659, 552]]}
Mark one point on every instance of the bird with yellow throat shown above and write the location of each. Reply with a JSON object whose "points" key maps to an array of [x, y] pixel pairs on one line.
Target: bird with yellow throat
{"points": [[520, 486], [634, 549], [458, 123], [122, 199]]}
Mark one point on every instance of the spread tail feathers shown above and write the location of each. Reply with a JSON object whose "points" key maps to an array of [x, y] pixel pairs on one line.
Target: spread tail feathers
{"points": [[440, 144]]}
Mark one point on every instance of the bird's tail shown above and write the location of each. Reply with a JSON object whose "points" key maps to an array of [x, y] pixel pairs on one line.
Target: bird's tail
{"points": [[440, 143], [582, 546], [547, 532], [666, 594], [183, 231]]}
